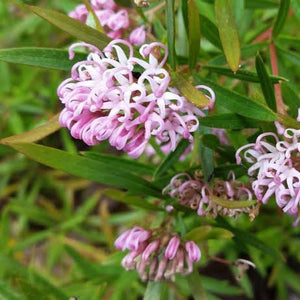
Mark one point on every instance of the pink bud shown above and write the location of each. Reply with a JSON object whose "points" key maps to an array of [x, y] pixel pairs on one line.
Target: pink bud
{"points": [[172, 247], [152, 247], [138, 36], [193, 251]]}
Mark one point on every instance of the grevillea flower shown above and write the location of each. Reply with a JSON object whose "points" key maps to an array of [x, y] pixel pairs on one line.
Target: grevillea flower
{"points": [[105, 101], [156, 255], [114, 19], [194, 193], [275, 169]]}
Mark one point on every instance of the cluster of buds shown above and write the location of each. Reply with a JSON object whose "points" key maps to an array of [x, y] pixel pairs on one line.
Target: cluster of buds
{"points": [[155, 255], [194, 193], [114, 20], [105, 99], [275, 169]]}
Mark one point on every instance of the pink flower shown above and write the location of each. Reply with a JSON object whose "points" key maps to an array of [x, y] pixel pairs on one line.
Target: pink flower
{"points": [[138, 36], [193, 251], [275, 168], [194, 193], [172, 247], [151, 259], [104, 101]]}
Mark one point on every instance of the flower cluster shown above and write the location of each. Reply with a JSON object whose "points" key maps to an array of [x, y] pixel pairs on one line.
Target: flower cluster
{"points": [[113, 19], [275, 167], [157, 256], [194, 193], [118, 97]]}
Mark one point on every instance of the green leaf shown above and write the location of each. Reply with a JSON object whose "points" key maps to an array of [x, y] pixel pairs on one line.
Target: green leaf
{"points": [[228, 33], [32, 292], [291, 98], [229, 121], [7, 293], [292, 57], [210, 141], [194, 33], [210, 31], [207, 232], [171, 159], [35, 134], [189, 91], [260, 4], [265, 83], [86, 168], [233, 204], [170, 20], [220, 287], [281, 17], [240, 104], [153, 291], [243, 75], [73, 27], [243, 239], [296, 7], [130, 200], [196, 286], [206, 156], [116, 161], [57, 59], [92, 270]]}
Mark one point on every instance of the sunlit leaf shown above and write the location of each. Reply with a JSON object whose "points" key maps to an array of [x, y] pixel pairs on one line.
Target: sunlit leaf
{"points": [[194, 33], [228, 33], [35, 134], [57, 59], [233, 204], [73, 27]]}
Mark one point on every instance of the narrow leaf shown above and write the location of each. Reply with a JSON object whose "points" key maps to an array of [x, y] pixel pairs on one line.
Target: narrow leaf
{"points": [[35, 134], [171, 159], [73, 27], [265, 83], [170, 20], [210, 31], [130, 200], [196, 286], [233, 204], [229, 121], [57, 59], [207, 232], [116, 161], [189, 91], [281, 17], [153, 291], [228, 33], [243, 75], [86, 168], [240, 104], [32, 292], [206, 156], [194, 33]]}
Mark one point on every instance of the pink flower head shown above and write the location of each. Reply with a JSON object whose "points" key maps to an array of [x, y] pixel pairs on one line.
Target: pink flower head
{"points": [[138, 36], [275, 169], [104, 101], [152, 260]]}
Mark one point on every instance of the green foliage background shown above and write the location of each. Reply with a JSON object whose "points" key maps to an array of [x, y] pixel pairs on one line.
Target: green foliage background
{"points": [[57, 230]]}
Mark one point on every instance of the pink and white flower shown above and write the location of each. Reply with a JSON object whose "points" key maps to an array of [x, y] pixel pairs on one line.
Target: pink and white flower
{"points": [[104, 101]]}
